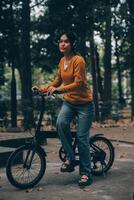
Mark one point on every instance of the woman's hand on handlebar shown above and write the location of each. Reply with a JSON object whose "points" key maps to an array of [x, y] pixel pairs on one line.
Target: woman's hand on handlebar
{"points": [[39, 89], [35, 88], [51, 90]]}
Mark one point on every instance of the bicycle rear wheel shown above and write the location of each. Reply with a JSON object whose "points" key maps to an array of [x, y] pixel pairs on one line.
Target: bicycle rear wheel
{"points": [[102, 155], [26, 166]]}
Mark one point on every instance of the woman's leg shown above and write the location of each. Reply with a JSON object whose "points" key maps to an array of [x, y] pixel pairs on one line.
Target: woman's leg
{"points": [[85, 116], [63, 127]]}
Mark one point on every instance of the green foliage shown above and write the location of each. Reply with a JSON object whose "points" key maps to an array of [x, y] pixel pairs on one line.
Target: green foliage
{"points": [[41, 77]]}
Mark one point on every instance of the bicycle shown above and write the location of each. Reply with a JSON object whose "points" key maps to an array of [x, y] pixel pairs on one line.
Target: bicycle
{"points": [[27, 164]]}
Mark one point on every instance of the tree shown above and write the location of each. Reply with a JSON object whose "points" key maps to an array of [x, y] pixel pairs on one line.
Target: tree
{"points": [[99, 76], [107, 63], [119, 35], [25, 69], [94, 75], [12, 65], [2, 79], [8, 30], [131, 37]]}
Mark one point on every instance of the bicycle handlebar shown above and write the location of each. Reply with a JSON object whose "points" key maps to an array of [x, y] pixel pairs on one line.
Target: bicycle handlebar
{"points": [[38, 92]]}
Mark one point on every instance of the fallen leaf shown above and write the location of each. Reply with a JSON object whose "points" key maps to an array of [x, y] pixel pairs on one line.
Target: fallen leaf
{"points": [[87, 189], [29, 190], [39, 189], [122, 156]]}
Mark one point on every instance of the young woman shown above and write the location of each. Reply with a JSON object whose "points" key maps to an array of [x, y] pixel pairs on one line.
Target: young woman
{"points": [[78, 101]]}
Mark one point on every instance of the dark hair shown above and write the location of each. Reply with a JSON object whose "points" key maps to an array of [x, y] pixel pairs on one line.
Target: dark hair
{"points": [[72, 38]]}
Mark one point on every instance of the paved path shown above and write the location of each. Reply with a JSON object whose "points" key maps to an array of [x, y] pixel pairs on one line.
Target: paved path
{"points": [[125, 134], [117, 185]]}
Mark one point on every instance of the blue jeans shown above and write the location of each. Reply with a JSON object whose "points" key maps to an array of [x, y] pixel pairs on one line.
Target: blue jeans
{"points": [[84, 114]]}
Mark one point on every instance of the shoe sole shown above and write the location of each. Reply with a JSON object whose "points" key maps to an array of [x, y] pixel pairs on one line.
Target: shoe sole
{"points": [[87, 183], [71, 170]]}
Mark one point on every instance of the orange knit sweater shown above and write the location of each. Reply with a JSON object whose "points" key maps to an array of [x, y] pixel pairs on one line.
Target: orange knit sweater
{"points": [[73, 81]]}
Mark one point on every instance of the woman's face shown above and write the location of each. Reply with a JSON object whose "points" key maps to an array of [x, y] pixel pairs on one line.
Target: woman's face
{"points": [[64, 45]]}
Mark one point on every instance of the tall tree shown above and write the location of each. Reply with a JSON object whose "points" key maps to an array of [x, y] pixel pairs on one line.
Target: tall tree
{"points": [[119, 35], [25, 70], [2, 45], [99, 76], [131, 9], [107, 63], [94, 75], [12, 65]]}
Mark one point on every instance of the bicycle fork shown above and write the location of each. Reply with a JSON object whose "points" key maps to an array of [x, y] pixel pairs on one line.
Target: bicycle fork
{"points": [[29, 157]]}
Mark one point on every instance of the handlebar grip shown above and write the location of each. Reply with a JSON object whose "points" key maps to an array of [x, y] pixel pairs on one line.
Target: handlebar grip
{"points": [[35, 90], [58, 92]]}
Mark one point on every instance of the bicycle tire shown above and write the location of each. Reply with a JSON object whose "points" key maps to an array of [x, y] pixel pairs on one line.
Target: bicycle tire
{"points": [[17, 159], [105, 165]]}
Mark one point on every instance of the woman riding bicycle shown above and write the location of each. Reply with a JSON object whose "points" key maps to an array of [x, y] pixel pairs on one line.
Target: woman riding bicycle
{"points": [[78, 101]]}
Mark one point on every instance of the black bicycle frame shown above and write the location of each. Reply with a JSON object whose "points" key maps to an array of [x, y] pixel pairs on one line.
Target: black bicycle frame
{"points": [[41, 115]]}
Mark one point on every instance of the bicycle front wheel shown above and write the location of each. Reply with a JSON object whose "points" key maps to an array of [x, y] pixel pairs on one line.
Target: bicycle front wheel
{"points": [[26, 166]]}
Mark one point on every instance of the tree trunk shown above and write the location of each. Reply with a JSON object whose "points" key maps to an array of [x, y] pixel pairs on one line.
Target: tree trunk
{"points": [[25, 71], [13, 100], [13, 80], [100, 85], [82, 29], [121, 99], [107, 66], [94, 75], [131, 8]]}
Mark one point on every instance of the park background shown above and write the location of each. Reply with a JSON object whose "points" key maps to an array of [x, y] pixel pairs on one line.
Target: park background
{"points": [[29, 33]]}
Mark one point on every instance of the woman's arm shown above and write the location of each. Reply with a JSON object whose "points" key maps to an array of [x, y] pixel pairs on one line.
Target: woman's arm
{"points": [[56, 83]]}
